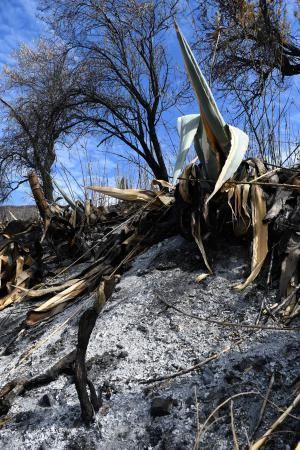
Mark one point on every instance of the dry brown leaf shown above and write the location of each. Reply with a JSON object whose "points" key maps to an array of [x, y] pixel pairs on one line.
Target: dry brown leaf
{"points": [[15, 296], [246, 189], [242, 217], [184, 182], [230, 194], [35, 293], [238, 199], [19, 268], [56, 303], [125, 194], [201, 277], [196, 232], [260, 235], [73, 218], [10, 298]]}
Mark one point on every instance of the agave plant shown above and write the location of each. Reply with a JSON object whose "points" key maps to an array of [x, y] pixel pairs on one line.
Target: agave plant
{"points": [[220, 148]]}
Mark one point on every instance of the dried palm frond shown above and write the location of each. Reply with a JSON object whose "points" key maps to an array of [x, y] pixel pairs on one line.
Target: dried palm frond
{"points": [[139, 195]]}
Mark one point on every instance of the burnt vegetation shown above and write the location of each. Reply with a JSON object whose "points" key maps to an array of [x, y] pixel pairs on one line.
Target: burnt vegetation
{"points": [[108, 73]]}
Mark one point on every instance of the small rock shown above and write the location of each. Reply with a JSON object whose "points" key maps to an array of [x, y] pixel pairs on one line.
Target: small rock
{"points": [[166, 265], [207, 376], [22, 417], [161, 406], [190, 401], [43, 446], [142, 328], [192, 293], [47, 401], [155, 435], [141, 272]]}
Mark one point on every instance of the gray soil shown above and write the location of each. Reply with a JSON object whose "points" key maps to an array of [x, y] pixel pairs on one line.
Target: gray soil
{"points": [[138, 338]]}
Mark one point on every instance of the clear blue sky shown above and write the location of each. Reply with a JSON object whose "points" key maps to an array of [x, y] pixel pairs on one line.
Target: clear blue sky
{"points": [[18, 23]]}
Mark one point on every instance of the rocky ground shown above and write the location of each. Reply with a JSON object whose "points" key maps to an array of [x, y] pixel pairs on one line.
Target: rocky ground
{"points": [[139, 338]]}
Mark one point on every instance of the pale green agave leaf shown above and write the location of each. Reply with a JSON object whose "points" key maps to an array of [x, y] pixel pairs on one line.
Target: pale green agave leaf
{"points": [[205, 154], [204, 94], [212, 134], [239, 145], [187, 127]]}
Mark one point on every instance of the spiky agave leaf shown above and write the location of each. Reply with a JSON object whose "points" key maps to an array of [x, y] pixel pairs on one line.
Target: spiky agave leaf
{"points": [[239, 146], [187, 127], [220, 147], [211, 116]]}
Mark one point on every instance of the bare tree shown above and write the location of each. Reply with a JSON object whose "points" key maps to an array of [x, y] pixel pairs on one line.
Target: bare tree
{"points": [[129, 82], [251, 50], [250, 42], [39, 101]]}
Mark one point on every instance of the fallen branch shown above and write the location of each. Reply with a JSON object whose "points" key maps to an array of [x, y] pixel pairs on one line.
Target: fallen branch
{"points": [[92, 404], [263, 407], [234, 435]]}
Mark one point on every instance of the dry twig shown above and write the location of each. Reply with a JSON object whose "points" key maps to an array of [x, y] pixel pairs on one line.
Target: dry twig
{"points": [[228, 324], [277, 422], [204, 426], [185, 371], [235, 439], [264, 404]]}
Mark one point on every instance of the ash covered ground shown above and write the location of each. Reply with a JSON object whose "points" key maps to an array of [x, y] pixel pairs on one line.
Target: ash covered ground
{"points": [[138, 338]]}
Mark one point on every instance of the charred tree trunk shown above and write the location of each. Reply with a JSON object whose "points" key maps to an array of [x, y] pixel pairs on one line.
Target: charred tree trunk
{"points": [[39, 196], [45, 172], [47, 184], [161, 172]]}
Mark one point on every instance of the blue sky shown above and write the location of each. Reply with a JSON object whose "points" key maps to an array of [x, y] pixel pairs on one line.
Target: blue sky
{"points": [[18, 23]]}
